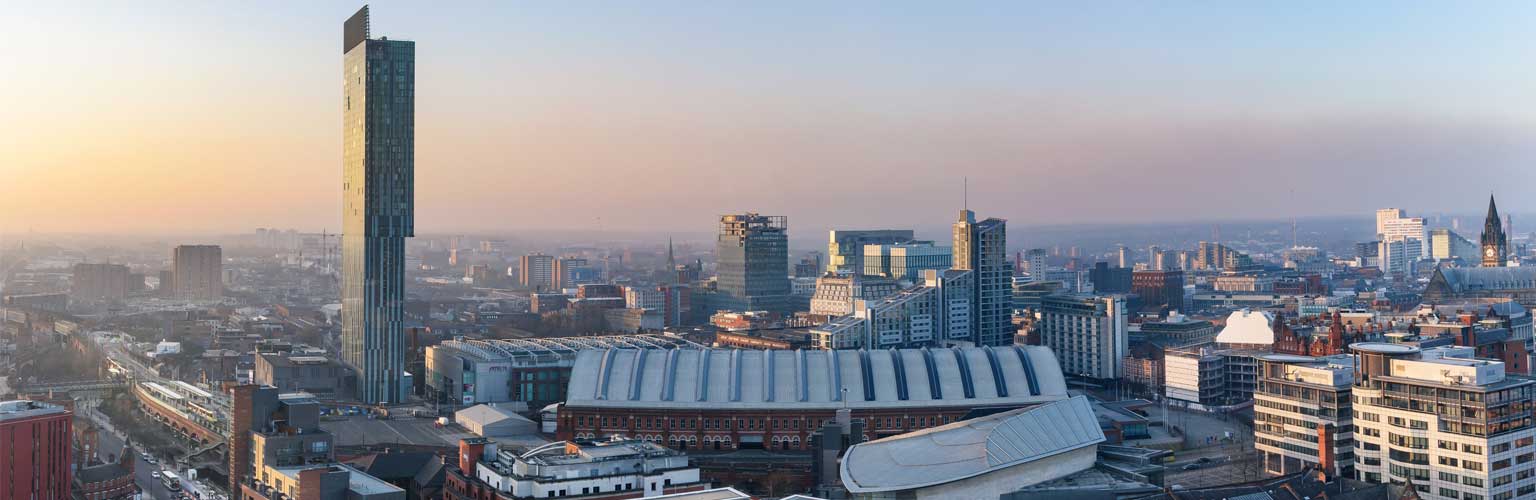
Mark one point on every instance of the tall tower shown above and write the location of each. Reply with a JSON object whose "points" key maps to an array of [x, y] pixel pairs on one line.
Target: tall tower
{"points": [[378, 203], [1495, 246], [753, 257], [982, 247]]}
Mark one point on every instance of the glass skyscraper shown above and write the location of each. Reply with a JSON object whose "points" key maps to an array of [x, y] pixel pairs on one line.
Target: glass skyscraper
{"points": [[982, 247], [378, 168], [753, 263]]}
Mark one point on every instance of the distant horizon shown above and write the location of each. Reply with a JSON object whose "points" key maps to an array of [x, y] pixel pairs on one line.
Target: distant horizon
{"points": [[205, 118]]}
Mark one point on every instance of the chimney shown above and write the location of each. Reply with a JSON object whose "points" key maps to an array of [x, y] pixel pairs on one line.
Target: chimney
{"points": [[470, 450]]}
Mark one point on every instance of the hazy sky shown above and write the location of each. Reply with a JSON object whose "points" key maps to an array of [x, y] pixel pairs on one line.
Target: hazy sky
{"points": [[225, 116]]}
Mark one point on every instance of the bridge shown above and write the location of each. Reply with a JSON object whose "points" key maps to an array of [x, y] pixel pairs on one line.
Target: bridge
{"points": [[71, 386]]}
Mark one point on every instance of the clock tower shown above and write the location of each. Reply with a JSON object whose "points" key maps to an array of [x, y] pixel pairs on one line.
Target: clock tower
{"points": [[1495, 246]]}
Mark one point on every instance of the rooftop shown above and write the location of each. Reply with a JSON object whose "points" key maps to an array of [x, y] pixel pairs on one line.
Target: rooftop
{"points": [[516, 349], [970, 447], [708, 378], [357, 481], [21, 408]]}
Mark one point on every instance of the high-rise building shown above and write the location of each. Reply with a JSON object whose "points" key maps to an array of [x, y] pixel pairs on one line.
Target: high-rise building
{"points": [[835, 295], [567, 272], [936, 313], [536, 271], [99, 282], [1123, 257], [1394, 226], [1035, 259], [753, 263], [982, 247], [1495, 244], [198, 271], [906, 261], [1088, 334], [845, 248], [34, 451], [1445, 244], [1451, 423], [1302, 418], [379, 157]]}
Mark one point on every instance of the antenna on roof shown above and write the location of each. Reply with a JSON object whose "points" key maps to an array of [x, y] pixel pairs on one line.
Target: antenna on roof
{"points": [[965, 193]]}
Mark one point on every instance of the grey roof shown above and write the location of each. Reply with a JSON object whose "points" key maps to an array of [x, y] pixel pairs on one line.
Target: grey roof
{"points": [[559, 347], [709, 378], [970, 447], [1463, 279], [487, 415]]}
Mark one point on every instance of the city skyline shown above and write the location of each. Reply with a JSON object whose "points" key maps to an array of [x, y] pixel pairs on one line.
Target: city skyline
{"points": [[625, 110]]}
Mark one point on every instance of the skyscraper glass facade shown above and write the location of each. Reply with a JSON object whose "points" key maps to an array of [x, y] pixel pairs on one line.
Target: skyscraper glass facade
{"points": [[378, 166]]}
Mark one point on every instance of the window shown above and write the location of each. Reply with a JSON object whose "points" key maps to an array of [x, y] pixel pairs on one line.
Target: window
{"points": [[1449, 493], [1470, 465], [1449, 477]]}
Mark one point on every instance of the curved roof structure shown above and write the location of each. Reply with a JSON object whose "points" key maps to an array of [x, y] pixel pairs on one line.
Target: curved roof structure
{"points": [[781, 379], [1247, 327], [970, 447]]}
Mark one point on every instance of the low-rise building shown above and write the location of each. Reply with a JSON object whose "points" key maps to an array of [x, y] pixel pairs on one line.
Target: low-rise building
{"points": [[288, 372], [534, 371], [613, 469]]}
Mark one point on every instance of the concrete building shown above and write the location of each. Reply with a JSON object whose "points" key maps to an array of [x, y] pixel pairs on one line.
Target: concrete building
{"points": [[939, 312], [985, 457], [1456, 426], [35, 462], [846, 248], [835, 294], [1088, 334], [198, 271], [536, 272], [906, 261], [753, 264], [90, 282], [534, 371], [982, 247], [729, 399], [311, 373], [1445, 244], [1302, 414], [277, 450], [569, 272], [379, 165], [616, 469]]}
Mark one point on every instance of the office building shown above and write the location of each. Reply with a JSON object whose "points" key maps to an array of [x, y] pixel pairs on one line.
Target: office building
{"points": [[845, 248], [1455, 426], [301, 372], [937, 313], [1400, 255], [34, 451], [1176, 330], [536, 272], [1123, 257], [1216, 257], [1445, 244], [1034, 259], [90, 282], [982, 248], [277, 451], [379, 167], [1087, 333], [1302, 414], [198, 272], [1159, 289], [1106, 279], [753, 264], [1495, 242], [906, 261], [835, 294], [570, 272]]}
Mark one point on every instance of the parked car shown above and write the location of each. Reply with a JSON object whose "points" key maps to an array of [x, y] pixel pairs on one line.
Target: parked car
{"points": [[1193, 466]]}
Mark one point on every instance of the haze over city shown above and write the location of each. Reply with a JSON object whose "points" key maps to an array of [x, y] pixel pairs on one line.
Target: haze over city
{"points": [[166, 117], [700, 250]]}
